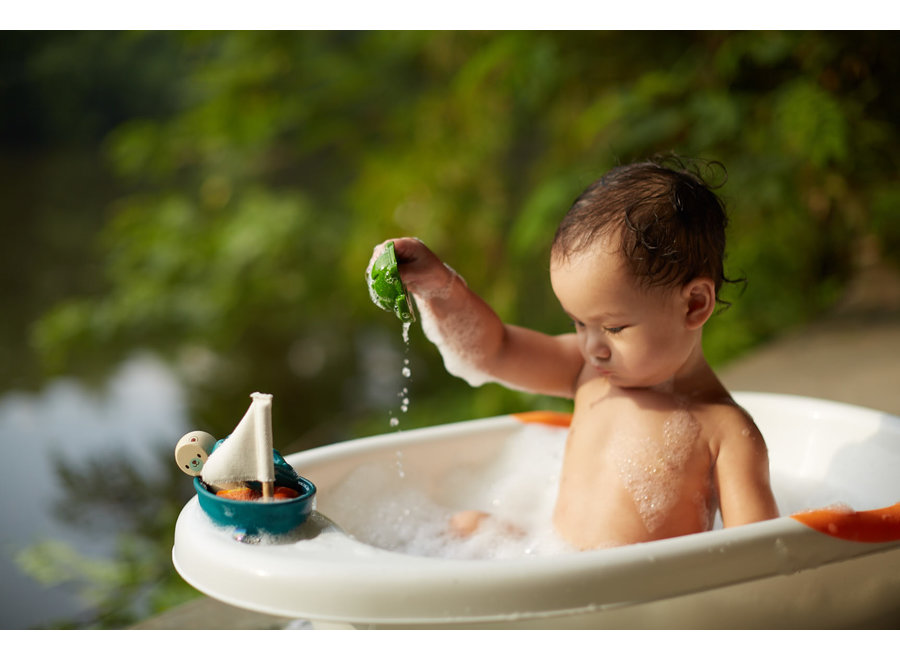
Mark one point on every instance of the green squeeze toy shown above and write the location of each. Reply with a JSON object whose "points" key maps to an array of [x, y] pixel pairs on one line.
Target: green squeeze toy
{"points": [[387, 289]]}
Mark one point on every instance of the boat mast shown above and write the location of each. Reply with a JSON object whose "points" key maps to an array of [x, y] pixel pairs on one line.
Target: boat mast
{"points": [[263, 436]]}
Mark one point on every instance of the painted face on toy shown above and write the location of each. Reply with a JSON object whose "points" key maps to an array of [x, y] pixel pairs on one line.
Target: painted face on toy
{"points": [[192, 451]]}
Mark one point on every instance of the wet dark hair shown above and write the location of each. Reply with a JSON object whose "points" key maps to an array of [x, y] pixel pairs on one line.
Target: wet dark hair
{"points": [[671, 223]]}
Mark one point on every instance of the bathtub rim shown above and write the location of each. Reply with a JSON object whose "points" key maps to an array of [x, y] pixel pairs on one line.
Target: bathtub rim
{"points": [[376, 590]]}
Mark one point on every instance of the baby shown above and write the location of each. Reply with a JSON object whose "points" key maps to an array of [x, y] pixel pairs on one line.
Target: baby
{"points": [[656, 443]]}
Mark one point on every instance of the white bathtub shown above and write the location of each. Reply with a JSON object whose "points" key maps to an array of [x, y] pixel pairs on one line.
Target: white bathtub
{"points": [[834, 568]]}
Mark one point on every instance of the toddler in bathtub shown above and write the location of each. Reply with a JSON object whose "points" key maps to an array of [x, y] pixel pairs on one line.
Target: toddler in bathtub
{"points": [[656, 442]]}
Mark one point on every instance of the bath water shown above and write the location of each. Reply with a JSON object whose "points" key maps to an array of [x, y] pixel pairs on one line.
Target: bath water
{"points": [[409, 512]]}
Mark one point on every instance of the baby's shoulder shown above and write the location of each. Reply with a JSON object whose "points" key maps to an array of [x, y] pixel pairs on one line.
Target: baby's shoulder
{"points": [[726, 423], [724, 410]]}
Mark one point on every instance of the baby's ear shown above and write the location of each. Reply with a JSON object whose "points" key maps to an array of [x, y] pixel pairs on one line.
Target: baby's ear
{"points": [[700, 296]]}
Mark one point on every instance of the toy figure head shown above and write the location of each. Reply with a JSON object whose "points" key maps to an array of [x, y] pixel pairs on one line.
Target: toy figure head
{"points": [[192, 451]]}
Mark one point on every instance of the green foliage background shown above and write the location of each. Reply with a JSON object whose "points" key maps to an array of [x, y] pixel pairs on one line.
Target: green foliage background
{"points": [[234, 185]]}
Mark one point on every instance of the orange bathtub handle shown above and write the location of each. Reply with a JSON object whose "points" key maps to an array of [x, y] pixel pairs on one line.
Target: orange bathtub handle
{"points": [[547, 417], [875, 526]]}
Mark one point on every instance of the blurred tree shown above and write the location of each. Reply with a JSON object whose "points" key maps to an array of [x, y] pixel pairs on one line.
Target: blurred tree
{"points": [[240, 247], [61, 93]]}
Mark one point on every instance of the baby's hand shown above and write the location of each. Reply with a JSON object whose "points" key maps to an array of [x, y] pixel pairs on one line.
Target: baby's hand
{"points": [[422, 272]]}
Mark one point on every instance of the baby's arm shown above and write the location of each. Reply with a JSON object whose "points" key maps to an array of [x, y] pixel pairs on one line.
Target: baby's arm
{"points": [[475, 343], [742, 474]]}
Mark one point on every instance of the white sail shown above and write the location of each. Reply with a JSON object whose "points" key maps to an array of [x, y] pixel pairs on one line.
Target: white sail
{"points": [[245, 455]]}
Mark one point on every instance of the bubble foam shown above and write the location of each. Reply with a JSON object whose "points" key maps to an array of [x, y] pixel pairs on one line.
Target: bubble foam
{"points": [[517, 489], [651, 470]]}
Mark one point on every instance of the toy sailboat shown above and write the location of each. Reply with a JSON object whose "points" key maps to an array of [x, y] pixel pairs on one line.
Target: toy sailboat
{"points": [[242, 481]]}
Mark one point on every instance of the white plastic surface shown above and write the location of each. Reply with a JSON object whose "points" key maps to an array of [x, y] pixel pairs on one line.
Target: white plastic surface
{"points": [[770, 574]]}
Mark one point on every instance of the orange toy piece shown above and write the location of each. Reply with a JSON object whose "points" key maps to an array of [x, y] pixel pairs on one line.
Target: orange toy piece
{"points": [[876, 526], [250, 495], [547, 417]]}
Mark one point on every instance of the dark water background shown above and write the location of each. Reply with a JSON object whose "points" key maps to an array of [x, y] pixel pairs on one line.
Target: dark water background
{"points": [[136, 413]]}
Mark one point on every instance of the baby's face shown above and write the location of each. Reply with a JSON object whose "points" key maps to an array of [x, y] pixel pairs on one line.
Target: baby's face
{"points": [[633, 336]]}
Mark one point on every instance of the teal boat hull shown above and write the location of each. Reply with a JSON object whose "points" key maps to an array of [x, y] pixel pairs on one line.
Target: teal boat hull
{"points": [[256, 517]]}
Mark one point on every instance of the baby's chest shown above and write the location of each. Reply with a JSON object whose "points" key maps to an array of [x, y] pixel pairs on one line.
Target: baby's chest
{"points": [[637, 445]]}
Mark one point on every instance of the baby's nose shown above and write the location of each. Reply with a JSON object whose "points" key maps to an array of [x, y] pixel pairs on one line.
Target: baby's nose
{"points": [[597, 347]]}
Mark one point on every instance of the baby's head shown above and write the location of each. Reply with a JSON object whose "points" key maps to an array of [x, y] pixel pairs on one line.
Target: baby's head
{"points": [[669, 224]]}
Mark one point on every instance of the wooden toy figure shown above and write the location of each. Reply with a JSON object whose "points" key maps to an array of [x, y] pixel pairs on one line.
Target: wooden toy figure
{"points": [[193, 450]]}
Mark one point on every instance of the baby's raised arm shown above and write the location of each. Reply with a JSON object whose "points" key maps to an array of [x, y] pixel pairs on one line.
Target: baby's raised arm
{"points": [[475, 343]]}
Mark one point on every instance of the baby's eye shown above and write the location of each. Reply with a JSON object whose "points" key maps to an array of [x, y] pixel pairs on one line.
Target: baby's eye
{"points": [[615, 330]]}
